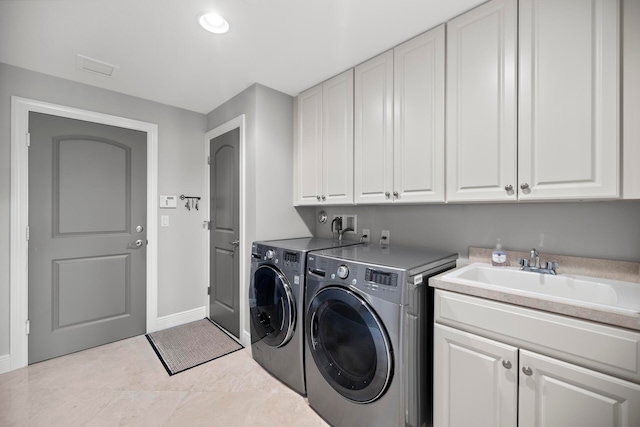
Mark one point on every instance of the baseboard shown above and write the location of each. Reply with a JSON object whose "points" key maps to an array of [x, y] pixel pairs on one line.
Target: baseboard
{"points": [[246, 339], [5, 363], [180, 318]]}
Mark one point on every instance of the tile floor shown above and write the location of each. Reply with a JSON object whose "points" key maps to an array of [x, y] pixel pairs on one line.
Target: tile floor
{"points": [[124, 384]]}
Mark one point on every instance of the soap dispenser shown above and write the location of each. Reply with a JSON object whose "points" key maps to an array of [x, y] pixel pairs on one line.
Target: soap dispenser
{"points": [[498, 256]]}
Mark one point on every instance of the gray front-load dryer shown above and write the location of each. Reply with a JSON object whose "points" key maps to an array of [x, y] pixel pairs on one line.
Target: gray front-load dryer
{"points": [[276, 305], [368, 334]]}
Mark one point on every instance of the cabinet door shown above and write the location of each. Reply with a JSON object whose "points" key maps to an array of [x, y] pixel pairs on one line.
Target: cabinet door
{"points": [[309, 147], [337, 139], [475, 380], [557, 393], [373, 166], [418, 155], [569, 99], [481, 103]]}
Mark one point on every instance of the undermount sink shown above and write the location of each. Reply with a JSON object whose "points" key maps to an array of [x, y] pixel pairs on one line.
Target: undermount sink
{"points": [[578, 290]]}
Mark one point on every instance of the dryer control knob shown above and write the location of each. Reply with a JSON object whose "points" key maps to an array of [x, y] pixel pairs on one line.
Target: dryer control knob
{"points": [[270, 254], [343, 272]]}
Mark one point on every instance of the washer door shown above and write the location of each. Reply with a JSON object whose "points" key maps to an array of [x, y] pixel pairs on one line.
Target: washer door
{"points": [[349, 345], [272, 307]]}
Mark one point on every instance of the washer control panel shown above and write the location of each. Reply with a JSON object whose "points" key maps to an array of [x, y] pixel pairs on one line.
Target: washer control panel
{"points": [[381, 277], [379, 281]]}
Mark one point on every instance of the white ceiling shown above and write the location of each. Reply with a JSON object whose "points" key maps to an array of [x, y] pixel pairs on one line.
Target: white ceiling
{"points": [[164, 56]]}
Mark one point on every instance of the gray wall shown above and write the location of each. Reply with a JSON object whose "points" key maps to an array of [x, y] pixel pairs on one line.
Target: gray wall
{"points": [[181, 166], [609, 230]]}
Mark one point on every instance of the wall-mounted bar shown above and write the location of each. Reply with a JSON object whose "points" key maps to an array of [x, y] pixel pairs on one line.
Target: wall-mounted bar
{"points": [[192, 202]]}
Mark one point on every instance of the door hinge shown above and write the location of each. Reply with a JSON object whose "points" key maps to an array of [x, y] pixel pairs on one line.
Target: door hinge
{"points": [[207, 225], [27, 327], [208, 160], [209, 290], [28, 140], [27, 233]]}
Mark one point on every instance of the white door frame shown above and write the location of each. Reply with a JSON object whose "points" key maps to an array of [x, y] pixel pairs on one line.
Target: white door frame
{"points": [[245, 247], [19, 280]]}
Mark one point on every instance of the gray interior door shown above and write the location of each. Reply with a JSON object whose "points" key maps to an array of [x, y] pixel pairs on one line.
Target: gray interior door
{"points": [[224, 263], [87, 210]]}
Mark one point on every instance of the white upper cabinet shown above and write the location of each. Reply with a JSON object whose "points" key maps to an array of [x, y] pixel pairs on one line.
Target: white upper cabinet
{"points": [[531, 110], [418, 131], [307, 160], [569, 106], [481, 103], [631, 99], [373, 134], [324, 146], [567, 143], [337, 140], [399, 123]]}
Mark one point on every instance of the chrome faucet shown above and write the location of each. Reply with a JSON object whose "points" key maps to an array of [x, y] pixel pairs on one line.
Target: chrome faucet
{"points": [[525, 264], [534, 254], [341, 233]]}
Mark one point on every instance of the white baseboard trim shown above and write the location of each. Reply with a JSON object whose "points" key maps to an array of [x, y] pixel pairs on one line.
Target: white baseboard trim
{"points": [[5, 363], [180, 318], [246, 339]]}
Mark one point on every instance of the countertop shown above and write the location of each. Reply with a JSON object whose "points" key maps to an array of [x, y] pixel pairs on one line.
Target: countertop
{"points": [[606, 269]]}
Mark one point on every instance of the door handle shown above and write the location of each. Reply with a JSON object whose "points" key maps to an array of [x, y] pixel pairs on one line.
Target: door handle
{"points": [[235, 243], [135, 245]]}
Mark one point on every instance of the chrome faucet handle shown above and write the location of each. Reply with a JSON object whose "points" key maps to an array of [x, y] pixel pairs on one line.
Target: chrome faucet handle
{"points": [[552, 265], [523, 262]]}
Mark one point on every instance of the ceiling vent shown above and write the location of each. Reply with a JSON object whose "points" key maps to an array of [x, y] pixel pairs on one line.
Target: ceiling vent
{"points": [[94, 66]]}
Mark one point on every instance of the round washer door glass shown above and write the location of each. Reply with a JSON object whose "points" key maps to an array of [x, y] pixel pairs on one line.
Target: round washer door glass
{"points": [[349, 345], [271, 306]]}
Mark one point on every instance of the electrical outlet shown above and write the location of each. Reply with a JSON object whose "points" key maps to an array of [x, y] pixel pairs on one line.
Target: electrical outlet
{"points": [[385, 237], [366, 235]]}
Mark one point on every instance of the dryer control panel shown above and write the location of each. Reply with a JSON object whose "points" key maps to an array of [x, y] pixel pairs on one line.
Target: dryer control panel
{"points": [[285, 259]]}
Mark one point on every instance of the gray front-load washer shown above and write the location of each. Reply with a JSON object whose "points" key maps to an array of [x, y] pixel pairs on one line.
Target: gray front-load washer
{"points": [[276, 305], [369, 324]]}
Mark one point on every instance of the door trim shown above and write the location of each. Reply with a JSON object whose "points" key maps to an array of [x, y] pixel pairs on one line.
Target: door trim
{"points": [[18, 301], [245, 247]]}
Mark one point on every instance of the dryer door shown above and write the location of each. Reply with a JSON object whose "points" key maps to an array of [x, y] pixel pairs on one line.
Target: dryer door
{"points": [[349, 344], [272, 307]]}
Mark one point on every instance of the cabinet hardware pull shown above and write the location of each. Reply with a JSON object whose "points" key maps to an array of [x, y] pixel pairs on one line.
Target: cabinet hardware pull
{"points": [[508, 187], [524, 186], [506, 364], [527, 371], [387, 194]]}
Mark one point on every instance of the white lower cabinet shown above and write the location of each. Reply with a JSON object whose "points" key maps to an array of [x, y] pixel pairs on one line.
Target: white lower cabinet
{"points": [[556, 393], [475, 380], [481, 381]]}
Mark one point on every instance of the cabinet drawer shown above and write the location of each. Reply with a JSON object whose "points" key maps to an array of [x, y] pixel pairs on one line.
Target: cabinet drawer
{"points": [[603, 348]]}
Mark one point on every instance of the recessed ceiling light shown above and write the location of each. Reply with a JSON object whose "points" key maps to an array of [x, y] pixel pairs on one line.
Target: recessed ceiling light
{"points": [[214, 23]]}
